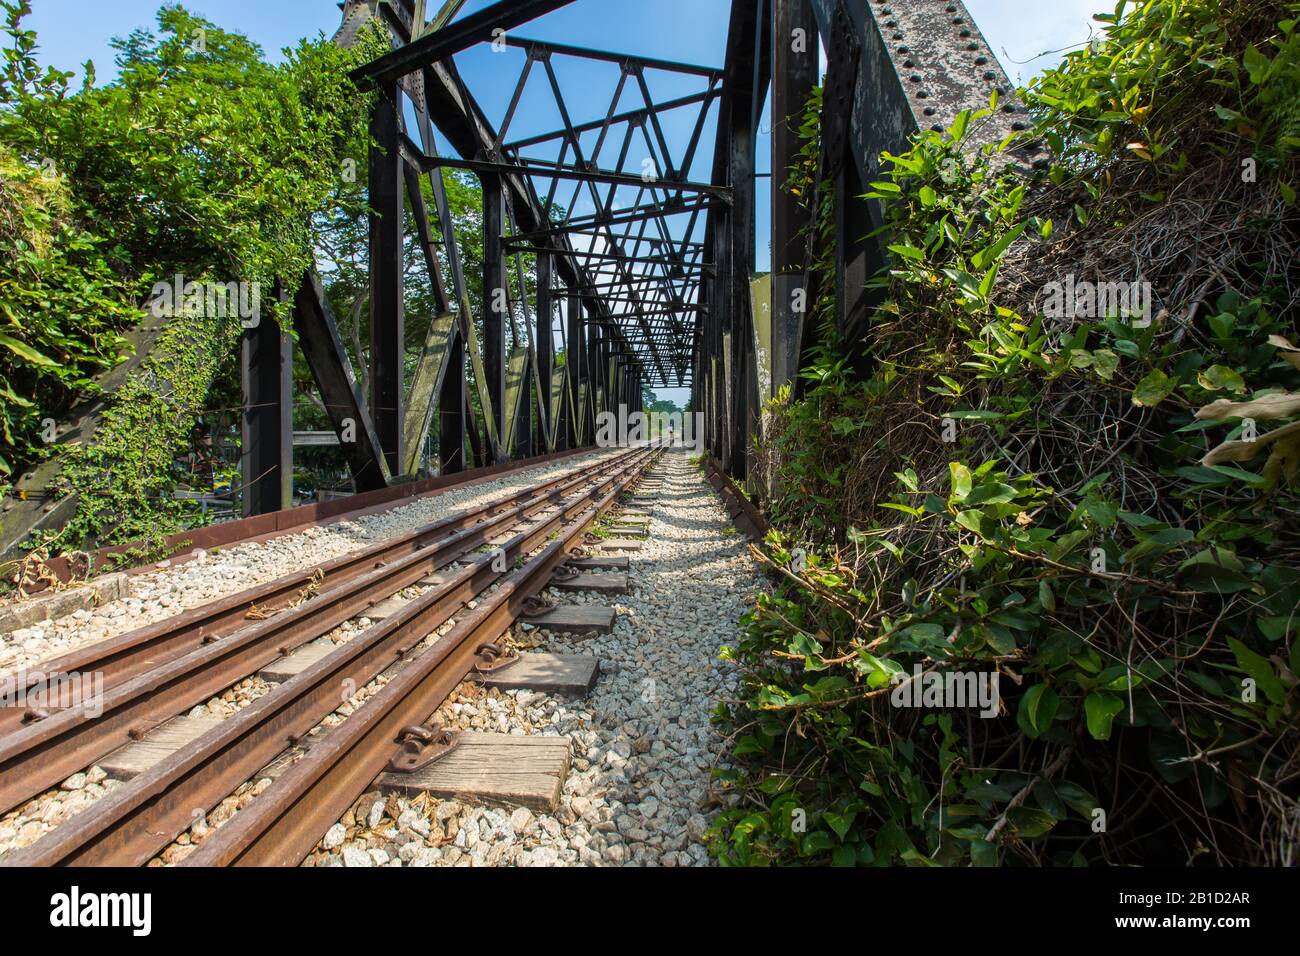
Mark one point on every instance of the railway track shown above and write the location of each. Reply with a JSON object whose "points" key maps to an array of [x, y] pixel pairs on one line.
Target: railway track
{"points": [[157, 672]]}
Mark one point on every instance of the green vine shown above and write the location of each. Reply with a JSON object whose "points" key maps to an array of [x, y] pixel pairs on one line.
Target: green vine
{"points": [[201, 160], [1097, 510]]}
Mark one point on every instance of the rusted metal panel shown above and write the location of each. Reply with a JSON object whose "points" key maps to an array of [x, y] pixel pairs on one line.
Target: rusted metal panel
{"points": [[740, 509], [922, 63]]}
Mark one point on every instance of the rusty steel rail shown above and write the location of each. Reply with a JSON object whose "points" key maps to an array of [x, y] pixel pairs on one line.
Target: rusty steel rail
{"points": [[281, 826], [740, 509], [134, 653], [39, 755], [138, 819]]}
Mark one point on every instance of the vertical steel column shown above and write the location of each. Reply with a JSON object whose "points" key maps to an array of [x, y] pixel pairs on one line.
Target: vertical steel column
{"points": [[496, 303], [544, 342], [857, 259], [387, 310], [266, 464], [451, 410], [575, 357], [794, 76], [595, 370], [747, 102], [606, 377], [744, 201]]}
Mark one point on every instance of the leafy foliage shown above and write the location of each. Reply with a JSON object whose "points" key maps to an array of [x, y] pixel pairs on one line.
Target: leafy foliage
{"points": [[1041, 498], [200, 159], [61, 306]]}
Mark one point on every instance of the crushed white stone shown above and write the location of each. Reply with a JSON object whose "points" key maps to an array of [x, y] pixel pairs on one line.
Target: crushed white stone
{"points": [[643, 747], [639, 791]]}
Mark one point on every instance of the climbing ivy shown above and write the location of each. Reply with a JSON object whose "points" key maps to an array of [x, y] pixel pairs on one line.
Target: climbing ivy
{"points": [[203, 160]]}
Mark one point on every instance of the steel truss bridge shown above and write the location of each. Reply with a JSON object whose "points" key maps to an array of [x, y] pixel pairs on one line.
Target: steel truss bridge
{"points": [[639, 264]]}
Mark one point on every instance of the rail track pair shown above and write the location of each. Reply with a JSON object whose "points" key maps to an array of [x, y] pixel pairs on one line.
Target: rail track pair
{"points": [[157, 672]]}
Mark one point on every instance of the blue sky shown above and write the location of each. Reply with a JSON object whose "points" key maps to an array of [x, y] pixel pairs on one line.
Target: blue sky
{"points": [[73, 30], [692, 31]]}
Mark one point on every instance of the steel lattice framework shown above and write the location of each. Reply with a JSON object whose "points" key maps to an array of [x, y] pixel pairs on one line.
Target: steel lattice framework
{"points": [[603, 232], [654, 260]]}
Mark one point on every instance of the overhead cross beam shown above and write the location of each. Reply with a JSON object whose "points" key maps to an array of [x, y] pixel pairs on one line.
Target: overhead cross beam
{"points": [[452, 39]]}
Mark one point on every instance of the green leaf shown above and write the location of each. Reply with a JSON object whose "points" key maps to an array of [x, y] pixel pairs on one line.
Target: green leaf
{"points": [[983, 258], [991, 493], [1220, 378], [1105, 363], [1260, 669], [959, 124], [1038, 709], [819, 841], [908, 252], [1046, 597], [25, 351], [1257, 65], [975, 415], [1029, 823], [840, 822], [1100, 710], [960, 478], [1077, 798], [983, 853], [972, 521], [1153, 389], [1210, 571]]}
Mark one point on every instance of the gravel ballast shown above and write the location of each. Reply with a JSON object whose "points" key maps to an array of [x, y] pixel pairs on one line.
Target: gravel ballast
{"points": [[639, 790]]}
